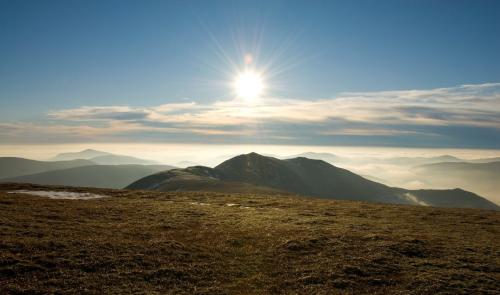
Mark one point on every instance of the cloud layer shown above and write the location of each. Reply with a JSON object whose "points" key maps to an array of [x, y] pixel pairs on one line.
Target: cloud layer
{"points": [[437, 117]]}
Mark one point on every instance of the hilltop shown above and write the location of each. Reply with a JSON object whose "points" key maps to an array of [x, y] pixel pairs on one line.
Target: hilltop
{"points": [[219, 243]]}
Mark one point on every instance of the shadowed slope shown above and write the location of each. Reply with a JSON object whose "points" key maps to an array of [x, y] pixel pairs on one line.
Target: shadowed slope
{"points": [[451, 197], [103, 176], [482, 178], [104, 158], [12, 166], [85, 154]]}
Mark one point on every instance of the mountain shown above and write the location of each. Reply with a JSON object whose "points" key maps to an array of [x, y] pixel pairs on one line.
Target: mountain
{"points": [[423, 160], [101, 176], [412, 161], [85, 154], [404, 161], [478, 177], [485, 160], [104, 158], [450, 198], [196, 178], [327, 157], [301, 176], [185, 164], [12, 167], [121, 160]]}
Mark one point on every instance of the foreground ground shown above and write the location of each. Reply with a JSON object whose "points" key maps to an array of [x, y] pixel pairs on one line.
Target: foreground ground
{"points": [[210, 243]]}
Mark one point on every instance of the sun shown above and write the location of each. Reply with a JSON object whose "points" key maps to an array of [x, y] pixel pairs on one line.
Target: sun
{"points": [[249, 85]]}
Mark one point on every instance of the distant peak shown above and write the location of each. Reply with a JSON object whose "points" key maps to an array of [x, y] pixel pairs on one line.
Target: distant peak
{"points": [[245, 158], [306, 159], [90, 150], [252, 155]]}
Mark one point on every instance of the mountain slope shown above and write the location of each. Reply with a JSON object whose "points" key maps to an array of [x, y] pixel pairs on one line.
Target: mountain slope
{"points": [[327, 157], [12, 167], [485, 160], [196, 178], [104, 158], [401, 161], [85, 154], [121, 160], [102, 176], [302, 176], [450, 197], [482, 178]]}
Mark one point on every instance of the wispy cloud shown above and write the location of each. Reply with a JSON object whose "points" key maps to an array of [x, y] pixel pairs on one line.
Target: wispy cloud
{"points": [[477, 105], [401, 113]]}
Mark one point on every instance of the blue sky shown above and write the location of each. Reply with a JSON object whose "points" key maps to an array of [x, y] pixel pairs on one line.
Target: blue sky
{"points": [[161, 71]]}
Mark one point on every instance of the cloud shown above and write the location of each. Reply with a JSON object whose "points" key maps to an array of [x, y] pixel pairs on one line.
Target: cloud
{"points": [[87, 113], [404, 114], [474, 105]]}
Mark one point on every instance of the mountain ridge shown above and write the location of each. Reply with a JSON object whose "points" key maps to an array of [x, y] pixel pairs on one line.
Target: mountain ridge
{"points": [[306, 177], [103, 158], [100, 176], [16, 166]]}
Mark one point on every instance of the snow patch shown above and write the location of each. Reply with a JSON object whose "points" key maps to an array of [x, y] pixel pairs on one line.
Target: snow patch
{"points": [[199, 204], [60, 195], [237, 205]]}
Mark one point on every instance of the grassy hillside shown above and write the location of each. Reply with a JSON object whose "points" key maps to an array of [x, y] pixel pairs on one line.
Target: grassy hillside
{"points": [[103, 176], [216, 243], [12, 166]]}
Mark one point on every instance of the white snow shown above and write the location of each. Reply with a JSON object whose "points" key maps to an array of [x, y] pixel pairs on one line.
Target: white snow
{"points": [[199, 204], [60, 195]]}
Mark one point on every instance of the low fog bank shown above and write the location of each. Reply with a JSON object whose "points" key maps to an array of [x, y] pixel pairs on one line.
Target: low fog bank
{"points": [[430, 173]]}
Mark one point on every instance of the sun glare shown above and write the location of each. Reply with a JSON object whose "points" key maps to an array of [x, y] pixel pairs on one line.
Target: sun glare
{"points": [[249, 85]]}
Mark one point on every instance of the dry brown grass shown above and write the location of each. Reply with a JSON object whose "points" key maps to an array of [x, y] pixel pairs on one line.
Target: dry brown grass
{"points": [[193, 243]]}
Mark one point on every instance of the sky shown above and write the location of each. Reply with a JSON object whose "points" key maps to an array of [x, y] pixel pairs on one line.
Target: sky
{"points": [[410, 74]]}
